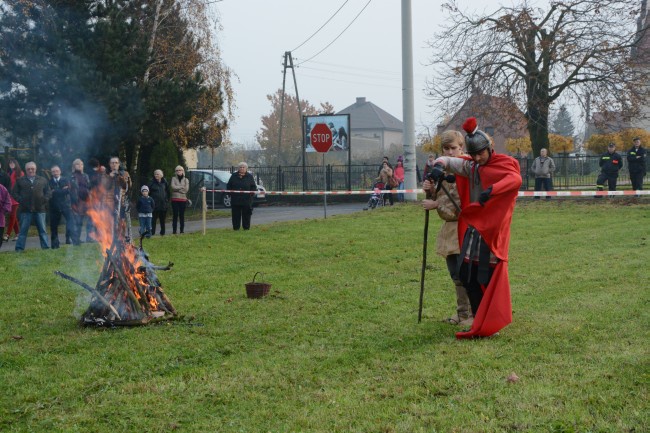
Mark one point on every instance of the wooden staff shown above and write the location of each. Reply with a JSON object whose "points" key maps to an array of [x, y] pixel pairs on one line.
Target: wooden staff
{"points": [[451, 179], [429, 195]]}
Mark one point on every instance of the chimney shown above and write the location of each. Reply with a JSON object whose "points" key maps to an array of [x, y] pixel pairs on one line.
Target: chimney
{"points": [[361, 100]]}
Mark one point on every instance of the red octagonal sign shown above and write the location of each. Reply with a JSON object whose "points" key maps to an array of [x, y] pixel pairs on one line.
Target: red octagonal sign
{"points": [[321, 137]]}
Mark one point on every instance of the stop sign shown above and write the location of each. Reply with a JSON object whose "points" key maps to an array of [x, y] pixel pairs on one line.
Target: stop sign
{"points": [[321, 137]]}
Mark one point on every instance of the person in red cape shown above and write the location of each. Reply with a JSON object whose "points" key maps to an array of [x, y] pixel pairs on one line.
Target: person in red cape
{"points": [[488, 191]]}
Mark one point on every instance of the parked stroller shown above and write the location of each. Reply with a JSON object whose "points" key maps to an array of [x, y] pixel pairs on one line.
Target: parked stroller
{"points": [[377, 198]]}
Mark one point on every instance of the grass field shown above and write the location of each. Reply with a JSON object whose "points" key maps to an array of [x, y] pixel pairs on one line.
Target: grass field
{"points": [[336, 347]]}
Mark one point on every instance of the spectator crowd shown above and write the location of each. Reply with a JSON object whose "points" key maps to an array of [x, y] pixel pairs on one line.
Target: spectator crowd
{"points": [[67, 200]]}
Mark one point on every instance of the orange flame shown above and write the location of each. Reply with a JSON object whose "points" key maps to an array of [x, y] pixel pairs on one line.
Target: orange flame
{"points": [[101, 211]]}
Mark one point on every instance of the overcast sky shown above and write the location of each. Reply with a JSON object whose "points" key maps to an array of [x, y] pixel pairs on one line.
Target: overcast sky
{"points": [[365, 61]]}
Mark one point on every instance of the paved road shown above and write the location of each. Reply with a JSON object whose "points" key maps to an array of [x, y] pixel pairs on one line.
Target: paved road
{"points": [[261, 215]]}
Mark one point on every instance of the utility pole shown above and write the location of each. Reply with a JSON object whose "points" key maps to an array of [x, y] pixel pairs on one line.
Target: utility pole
{"points": [[408, 106], [288, 64]]}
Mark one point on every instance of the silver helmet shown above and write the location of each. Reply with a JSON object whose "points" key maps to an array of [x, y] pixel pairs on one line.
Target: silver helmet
{"points": [[475, 140]]}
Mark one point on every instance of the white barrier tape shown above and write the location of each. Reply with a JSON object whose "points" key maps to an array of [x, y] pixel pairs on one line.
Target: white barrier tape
{"points": [[387, 191], [579, 193]]}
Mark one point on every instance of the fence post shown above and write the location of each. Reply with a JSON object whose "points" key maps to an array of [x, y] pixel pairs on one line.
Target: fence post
{"points": [[328, 177], [349, 182]]}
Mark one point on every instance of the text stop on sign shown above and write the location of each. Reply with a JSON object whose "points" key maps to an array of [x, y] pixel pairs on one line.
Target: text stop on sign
{"points": [[321, 137]]}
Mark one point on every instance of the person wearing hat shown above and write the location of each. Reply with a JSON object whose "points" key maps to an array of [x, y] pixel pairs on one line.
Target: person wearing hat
{"points": [[610, 163], [145, 207], [488, 184], [636, 160]]}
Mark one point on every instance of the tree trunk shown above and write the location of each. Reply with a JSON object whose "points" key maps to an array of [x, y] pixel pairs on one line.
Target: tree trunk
{"points": [[135, 160], [538, 130], [538, 107]]}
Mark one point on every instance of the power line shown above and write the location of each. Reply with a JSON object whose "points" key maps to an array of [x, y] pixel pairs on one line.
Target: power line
{"points": [[338, 36], [395, 86], [321, 27], [386, 76], [360, 74], [357, 74], [357, 68]]}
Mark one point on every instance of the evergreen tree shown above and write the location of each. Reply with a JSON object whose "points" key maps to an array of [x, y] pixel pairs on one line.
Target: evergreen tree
{"points": [[562, 124], [83, 78]]}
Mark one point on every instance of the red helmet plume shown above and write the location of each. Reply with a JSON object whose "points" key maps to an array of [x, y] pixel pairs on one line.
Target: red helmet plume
{"points": [[476, 140], [470, 125]]}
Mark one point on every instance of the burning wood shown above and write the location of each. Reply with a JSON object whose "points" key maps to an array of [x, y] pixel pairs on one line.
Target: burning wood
{"points": [[128, 291]]}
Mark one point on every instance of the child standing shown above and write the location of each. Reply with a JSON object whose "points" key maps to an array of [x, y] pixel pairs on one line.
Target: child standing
{"points": [[145, 208], [447, 243]]}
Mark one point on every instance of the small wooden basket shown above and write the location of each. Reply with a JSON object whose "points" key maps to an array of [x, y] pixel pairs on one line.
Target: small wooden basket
{"points": [[257, 290]]}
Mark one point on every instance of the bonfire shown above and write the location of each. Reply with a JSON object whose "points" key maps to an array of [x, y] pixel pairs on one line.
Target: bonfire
{"points": [[128, 291]]}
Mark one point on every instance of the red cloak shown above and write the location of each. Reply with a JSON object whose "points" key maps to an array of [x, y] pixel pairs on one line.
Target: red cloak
{"points": [[493, 223]]}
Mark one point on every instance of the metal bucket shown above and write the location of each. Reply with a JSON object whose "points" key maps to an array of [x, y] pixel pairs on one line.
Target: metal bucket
{"points": [[257, 290]]}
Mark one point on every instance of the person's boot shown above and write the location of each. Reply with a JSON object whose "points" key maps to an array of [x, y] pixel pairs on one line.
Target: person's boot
{"points": [[599, 188], [463, 307]]}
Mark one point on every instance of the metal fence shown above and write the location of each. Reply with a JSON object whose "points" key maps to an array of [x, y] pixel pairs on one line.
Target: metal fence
{"points": [[312, 178], [572, 172]]}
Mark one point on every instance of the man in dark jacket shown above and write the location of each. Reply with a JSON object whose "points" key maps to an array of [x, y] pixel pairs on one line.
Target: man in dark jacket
{"points": [[159, 192], [32, 193], [242, 203], [610, 163], [60, 206], [636, 164]]}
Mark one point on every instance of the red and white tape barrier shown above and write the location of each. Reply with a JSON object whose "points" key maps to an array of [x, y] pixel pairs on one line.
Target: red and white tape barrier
{"points": [[394, 191]]}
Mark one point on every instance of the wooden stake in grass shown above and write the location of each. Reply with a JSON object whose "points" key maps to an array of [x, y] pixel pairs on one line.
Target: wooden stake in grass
{"points": [[204, 208]]}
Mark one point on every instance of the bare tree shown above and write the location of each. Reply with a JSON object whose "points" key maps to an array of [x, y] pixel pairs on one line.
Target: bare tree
{"points": [[290, 150], [533, 56]]}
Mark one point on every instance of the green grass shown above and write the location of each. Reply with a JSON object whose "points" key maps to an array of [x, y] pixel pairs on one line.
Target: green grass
{"points": [[336, 347]]}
